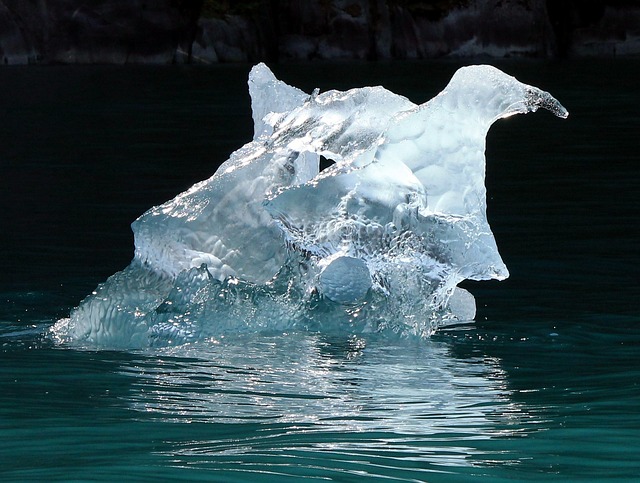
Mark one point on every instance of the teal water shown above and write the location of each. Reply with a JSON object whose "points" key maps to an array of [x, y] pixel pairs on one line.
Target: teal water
{"points": [[545, 385]]}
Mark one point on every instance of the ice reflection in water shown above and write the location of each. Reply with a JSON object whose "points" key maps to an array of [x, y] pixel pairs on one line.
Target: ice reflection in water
{"points": [[303, 399]]}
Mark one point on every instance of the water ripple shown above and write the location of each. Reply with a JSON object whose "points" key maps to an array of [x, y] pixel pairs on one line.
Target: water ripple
{"points": [[342, 409]]}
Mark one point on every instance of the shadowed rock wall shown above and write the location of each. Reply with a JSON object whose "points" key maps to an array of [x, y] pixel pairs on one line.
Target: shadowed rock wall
{"points": [[116, 31], [205, 31], [595, 27], [377, 29], [412, 29]]}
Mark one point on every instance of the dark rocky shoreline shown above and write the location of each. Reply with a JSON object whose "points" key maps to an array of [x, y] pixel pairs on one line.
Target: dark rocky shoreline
{"points": [[191, 31]]}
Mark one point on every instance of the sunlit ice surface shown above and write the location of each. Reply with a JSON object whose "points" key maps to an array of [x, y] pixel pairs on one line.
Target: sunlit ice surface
{"points": [[376, 243]]}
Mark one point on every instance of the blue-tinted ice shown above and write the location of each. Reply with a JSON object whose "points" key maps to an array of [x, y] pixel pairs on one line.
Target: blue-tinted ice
{"points": [[378, 242]]}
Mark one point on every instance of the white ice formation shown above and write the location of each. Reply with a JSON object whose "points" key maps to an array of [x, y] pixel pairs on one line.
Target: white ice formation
{"points": [[377, 242]]}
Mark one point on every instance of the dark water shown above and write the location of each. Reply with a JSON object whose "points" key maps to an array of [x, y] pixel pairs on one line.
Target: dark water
{"points": [[544, 386]]}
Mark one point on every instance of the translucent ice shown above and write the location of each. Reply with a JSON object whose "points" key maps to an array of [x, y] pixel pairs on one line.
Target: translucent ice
{"points": [[378, 242]]}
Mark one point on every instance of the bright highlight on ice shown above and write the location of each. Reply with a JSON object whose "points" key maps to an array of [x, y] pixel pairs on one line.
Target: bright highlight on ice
{"points": [[378, 242]]}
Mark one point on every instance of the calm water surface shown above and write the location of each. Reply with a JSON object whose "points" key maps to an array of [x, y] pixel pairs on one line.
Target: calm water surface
{"points": [[545, 385]]}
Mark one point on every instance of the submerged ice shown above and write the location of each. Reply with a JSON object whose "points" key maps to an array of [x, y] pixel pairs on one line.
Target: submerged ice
{"points": [[377, 242]]}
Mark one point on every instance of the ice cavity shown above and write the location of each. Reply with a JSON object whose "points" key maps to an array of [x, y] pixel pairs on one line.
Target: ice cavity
{"points": [[376, 243]]}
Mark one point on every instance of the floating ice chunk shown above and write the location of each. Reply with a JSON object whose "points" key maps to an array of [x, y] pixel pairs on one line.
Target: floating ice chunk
{"points": [[462, 305], [377, 242], [345, 280]]}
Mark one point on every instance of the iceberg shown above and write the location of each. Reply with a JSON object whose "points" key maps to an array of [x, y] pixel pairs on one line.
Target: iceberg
{"points": [[376, 242]]}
